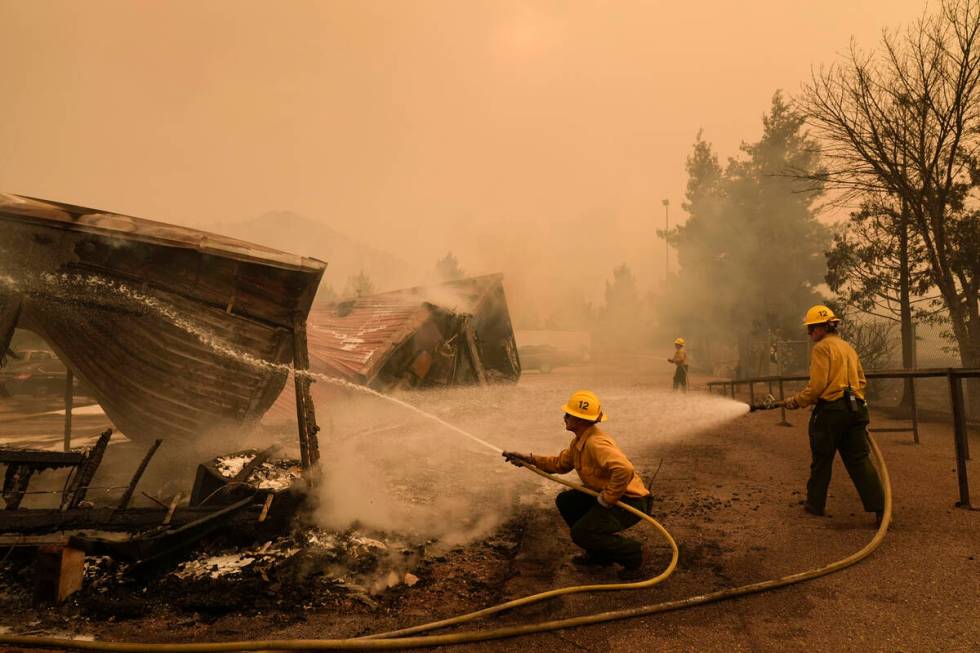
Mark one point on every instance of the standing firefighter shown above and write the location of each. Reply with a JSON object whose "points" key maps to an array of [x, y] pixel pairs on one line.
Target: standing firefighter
{"points": [[680, 360], [839, 420], [603, 467]]}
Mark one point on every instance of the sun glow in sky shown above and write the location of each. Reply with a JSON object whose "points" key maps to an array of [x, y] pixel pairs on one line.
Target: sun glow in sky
{"points": [[510, 132]]}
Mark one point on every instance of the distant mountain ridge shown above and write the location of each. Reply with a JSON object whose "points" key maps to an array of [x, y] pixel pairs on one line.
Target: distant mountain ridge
{"points": [[294, 233]]}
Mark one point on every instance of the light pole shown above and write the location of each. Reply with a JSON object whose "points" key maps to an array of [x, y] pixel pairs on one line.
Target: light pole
{"points": [[666, 204]]}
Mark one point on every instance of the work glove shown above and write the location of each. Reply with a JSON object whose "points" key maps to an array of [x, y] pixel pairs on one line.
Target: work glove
{"points": [[604, 503], [792, 404], [517, 459]]}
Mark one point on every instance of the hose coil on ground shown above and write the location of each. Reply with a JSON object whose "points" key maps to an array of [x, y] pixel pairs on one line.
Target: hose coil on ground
{"points": [[398, 640]]}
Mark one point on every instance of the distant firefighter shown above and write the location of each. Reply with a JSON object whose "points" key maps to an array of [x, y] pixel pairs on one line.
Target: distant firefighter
{"points": [[840, 418], [603, 467], [680, 360]]}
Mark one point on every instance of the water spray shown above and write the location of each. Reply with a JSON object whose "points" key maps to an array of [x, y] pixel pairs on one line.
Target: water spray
{"points": [[399, 639], [55, 285]]}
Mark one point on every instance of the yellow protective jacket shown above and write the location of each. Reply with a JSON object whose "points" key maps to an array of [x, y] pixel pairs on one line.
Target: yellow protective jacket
{"points": [[600, 464], [680, 357], [833, 366]]}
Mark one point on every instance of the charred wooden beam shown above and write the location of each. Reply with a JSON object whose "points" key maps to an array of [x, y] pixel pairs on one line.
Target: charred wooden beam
{"points": [[128, 494], [85, 472], [40, 458], [58, 572], [147, 548], [473, 349], [48, 520], [15, 483], [309, 448], [69, 401]]}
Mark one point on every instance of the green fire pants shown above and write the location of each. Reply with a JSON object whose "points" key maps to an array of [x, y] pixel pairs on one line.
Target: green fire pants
{"points": [[680, 378], [594, 528], [834, 428]]}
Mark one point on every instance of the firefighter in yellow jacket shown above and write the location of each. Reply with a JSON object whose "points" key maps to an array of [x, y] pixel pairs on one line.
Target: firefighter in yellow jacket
{"points": [[680, 360], [839, 420], [602, 467]]}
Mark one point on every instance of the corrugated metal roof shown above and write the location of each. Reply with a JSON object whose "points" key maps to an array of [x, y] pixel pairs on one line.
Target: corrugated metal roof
{"points": [[353, 339], [354, 346]]}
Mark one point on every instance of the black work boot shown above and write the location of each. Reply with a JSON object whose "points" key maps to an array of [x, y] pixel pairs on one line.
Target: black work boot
{"points": [[588, 560], [813, 510], [635, 571]]}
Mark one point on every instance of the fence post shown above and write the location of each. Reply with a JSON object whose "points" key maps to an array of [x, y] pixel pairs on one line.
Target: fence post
{"points": [[733, 389], [915, 410], [69, 401], [782, 409], [959, 436], [751, 393]]}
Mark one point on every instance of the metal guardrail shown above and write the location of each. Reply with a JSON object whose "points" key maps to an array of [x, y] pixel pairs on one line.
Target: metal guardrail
{"points": [[954, 377]]}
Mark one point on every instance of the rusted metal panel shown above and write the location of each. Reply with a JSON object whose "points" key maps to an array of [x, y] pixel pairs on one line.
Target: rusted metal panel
{"points": [[373, 340]]}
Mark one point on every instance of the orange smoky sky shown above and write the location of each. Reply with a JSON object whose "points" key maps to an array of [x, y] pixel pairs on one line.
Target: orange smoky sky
{"points": [[529, 137]]}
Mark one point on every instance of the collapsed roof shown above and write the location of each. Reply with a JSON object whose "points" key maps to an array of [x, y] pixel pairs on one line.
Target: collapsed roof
{"points": [[449, 334], [454, 333], [178, 331]]}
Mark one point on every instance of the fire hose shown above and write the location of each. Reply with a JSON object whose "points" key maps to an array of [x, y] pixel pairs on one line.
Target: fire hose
{"points": [[396, 640]]}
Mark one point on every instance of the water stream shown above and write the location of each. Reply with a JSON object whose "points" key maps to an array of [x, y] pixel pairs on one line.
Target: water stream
{"points": [[91, 286]]}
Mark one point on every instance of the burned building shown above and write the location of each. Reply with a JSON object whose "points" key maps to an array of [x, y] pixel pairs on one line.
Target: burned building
{"points": [[449, 334], [177, 331]]}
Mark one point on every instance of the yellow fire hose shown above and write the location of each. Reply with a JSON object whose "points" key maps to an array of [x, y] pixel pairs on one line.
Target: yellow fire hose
{"points": [[534, 598], [389, 641]]}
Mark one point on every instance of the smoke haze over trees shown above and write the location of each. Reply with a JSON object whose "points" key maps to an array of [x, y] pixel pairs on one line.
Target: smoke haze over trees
{"points": [[751, 253], [359, 285], [447, 268]]}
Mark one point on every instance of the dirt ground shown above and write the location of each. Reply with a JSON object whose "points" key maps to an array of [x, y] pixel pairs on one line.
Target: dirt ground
{"points": [[730, 496]]}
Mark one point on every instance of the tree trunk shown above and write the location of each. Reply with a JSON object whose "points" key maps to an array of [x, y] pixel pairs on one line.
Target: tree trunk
{"points": [[905, 305], [744, 357], [970, 356]]}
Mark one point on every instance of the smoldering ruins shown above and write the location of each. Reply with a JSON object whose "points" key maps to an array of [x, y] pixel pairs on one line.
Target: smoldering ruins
{"points": [[309, 275], [185, 339]]}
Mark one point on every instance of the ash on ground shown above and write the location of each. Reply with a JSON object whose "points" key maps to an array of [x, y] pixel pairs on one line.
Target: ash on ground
{"points": [[307, 570], [275, 475]]}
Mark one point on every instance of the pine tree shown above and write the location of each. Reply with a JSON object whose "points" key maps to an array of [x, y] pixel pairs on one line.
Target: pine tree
{"points": [[751, 251], [447, 268], [359, 285]]}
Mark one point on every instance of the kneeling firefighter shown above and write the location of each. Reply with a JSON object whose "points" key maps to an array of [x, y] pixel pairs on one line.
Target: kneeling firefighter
{"points": [[839, 420], [603, 467]]}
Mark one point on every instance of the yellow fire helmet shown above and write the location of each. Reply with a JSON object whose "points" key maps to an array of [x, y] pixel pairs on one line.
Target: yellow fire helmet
{"points": [[585, 405], [820, 314], [679, 341]]}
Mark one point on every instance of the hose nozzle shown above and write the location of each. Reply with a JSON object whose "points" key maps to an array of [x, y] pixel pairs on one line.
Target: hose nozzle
{"points": [[769, 403]]}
